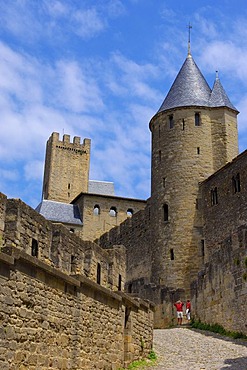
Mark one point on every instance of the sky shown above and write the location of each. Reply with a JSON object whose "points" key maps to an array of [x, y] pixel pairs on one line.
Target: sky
{"points": [[100, 69]]}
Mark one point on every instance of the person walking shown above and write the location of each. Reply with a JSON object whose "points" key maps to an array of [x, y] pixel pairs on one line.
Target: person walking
{"points": [[179, 307], [188, 309]]}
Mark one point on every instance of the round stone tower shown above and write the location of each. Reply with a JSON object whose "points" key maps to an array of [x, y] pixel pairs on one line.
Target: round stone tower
{"points": [[194, 133]]}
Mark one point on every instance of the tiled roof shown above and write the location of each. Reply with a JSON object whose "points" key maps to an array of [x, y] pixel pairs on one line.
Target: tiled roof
{"points": [[60, 212], [218, 96], [191, 89]]}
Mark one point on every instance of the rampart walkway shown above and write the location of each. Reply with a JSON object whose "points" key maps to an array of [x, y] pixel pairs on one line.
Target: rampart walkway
{"points": [[182, 348]]}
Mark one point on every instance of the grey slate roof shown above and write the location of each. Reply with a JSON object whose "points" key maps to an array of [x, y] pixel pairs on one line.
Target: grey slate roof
{"points": [[101, 187], [60, 212], [218, 96], [191, 89]]}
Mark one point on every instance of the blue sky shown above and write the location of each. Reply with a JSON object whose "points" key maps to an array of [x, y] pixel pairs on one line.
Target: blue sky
{"points": [[100, 69]]}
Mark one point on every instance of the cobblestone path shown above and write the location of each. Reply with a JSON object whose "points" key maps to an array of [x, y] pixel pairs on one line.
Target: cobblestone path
{"points": [[182, 348]]}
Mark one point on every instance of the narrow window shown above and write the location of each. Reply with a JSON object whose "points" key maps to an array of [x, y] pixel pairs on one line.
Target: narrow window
{"points": [[119, 282], [171, 121], [130, 288], [129, 212], [236, 183], [68, 195], [72, 264], [96, 210], [172, 254], [202, 248], [183, 124], [196, 203], [159, 130], [72, 230], [34, 248], [110, 272], [165, 212], [198, 150], [98, 273], [159, 155], [69, 186], [214, 196], [164, 182], [113, 212], [197, 119]]}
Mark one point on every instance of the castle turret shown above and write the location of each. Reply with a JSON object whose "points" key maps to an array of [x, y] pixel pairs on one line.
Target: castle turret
{"points": [[66, 168], [194, 133]]}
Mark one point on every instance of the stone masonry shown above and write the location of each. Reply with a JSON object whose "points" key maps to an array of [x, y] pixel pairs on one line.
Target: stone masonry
{"points": [[62, 303]]}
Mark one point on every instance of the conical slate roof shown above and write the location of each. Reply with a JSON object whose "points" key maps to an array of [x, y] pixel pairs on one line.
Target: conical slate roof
{"points": [[191, 89], [218, 96]]}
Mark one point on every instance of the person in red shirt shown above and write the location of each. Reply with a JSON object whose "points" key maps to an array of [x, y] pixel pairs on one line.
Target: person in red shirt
{"points": [[179, 307], [188, 309]]}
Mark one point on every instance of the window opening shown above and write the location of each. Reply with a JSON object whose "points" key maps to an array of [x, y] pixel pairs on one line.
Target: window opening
{"points": [[96, 210], [202, 247], [171, 121], [197, 119], [159, 155], [113, 212], [34, 248], [130, 212], [72, 264], [164, 182], [119, 282], [214, 196], [68, 186], [172, 254], [183, 124], [236, 183], [198, 150], [165, 212], [159, 130], [72, 230], [98, 273]]}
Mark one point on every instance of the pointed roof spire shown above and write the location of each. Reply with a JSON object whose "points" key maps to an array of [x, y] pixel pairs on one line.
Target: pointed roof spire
{"points": [[218, 96], [189, 88]]}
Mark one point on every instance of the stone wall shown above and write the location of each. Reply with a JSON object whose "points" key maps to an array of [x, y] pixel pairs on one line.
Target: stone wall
{"points": [[3, 201], [58, 309], [135, 235], [100, 213], [66, 168], [220, 292], [52, 320]]}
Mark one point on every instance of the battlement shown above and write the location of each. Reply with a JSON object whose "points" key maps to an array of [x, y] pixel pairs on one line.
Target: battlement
{"points": [[55, 139]]}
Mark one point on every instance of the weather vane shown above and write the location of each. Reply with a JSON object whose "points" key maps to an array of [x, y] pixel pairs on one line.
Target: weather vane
{"points": [[189, 28]]}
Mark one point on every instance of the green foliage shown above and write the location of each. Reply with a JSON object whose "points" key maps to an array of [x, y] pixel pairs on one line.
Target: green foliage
{"points": [[152, 357], [216, 328], [237, 261], [245, 276]]}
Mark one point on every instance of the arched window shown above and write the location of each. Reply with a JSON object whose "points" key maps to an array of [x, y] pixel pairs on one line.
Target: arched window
{"points": [[96, 210], [165, 212], [130, 212], [113, 212]]}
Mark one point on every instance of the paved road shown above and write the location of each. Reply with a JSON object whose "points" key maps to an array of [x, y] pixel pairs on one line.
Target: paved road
{"points": [[182, 348]]}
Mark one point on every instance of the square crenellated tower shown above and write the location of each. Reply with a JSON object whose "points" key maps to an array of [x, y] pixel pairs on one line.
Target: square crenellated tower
{"points": [[66, 171]]}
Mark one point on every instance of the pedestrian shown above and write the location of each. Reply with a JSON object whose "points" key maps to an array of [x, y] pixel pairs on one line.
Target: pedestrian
{"points": [[179, 307], [188, 309]]}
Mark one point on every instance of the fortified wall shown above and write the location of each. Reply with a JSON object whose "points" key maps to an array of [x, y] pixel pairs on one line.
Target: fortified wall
{"points": [[62, 299], [220, 293]]}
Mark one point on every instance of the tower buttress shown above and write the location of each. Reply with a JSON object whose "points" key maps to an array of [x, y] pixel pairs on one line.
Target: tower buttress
{"points": [[66, 172]]}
